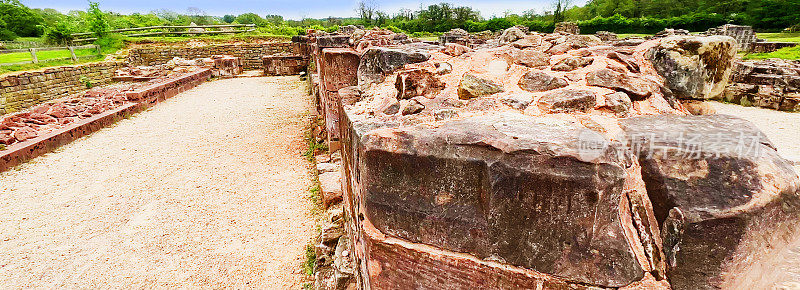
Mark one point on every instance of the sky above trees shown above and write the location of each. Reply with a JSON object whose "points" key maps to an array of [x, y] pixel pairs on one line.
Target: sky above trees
{"points": [[294, 9]]}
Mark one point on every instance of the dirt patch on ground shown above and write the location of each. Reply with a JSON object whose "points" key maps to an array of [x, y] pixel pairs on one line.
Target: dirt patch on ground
{"points": [[207, 189]]}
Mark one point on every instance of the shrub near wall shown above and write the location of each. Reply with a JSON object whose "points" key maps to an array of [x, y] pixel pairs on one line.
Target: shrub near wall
{"points": [[22, 90]]}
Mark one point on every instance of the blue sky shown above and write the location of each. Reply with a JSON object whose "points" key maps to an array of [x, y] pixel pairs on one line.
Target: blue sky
{"points": [[293, 9]]}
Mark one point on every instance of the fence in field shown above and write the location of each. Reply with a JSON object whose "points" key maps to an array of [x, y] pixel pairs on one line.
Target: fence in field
{"points": [[35, 58], [23, 44], [171, 30]]}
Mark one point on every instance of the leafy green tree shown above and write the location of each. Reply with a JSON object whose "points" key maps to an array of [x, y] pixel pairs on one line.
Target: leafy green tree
{"points": [[6, 34], [250, 18], [98, 23], [20, 19], [60, 33], [274, 19], [228, 18]]}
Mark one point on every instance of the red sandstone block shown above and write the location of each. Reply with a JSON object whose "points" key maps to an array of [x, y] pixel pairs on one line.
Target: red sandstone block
{"points": [[331, 108], [339, 68]]}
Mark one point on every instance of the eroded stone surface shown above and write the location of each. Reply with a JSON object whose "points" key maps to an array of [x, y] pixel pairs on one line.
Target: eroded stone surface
{"points": [[493, 186], [566, 101], [694, 67], [377, 62], [724, 197], [538, 81], [474, 87]]}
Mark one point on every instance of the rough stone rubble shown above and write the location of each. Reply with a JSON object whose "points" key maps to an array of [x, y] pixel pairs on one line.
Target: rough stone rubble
{"points": [[135, 85], [543, 161]]}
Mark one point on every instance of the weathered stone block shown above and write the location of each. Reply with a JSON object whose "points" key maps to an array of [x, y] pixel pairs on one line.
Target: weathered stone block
{"points": [[339, 68], [695, 67], [726, 201], [502, 187]]}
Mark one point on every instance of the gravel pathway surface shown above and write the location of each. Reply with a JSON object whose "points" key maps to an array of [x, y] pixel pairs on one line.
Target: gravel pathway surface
{"points": [[207, 189], [782, 128]]}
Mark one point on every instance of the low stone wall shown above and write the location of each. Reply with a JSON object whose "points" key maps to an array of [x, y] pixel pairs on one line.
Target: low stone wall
{"points": [[766, 47], [22, 90], [136, 100], [772, 84], [250, 54], [284, 65]]}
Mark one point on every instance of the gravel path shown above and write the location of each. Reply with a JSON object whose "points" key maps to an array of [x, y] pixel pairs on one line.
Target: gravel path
{"points": [[206, 189], [781, 128]]}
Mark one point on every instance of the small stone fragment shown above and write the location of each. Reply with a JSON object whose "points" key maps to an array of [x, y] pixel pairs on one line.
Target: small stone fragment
{"points": [[511, 35], [538, 81], [572, 63], [531, 58], [635, 86], [474, 87], [444, 114], [412, 107], [619, 103], [24, 133], [443, 68], [455, 49], [417, 82], [569, 100], [517, 101]]}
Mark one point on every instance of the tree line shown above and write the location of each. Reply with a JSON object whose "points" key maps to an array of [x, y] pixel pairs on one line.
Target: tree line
{"points": [[621, 16]]}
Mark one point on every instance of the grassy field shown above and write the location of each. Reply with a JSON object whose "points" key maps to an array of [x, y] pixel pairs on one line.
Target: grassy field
{"points": [[221, 38], [624, 35], [31, 66], [791, 53], [43, 55], [780, 37]]}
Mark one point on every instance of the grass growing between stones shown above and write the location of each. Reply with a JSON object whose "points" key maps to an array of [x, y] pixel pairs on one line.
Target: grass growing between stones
{"points": [[311, 259], [314, 147], [790, 53]]}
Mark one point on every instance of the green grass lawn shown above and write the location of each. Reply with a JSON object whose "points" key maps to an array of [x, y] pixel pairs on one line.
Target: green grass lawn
{"points": [[33, 66], [791, 53], [780, 37], [624, 35], [44, 55], [221, 38]]}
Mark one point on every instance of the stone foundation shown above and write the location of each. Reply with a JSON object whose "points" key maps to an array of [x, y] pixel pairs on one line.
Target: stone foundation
{"points": [[284, 64], [22, 90], [250, 54], [62, 124], [772, 84], [766, 47], [472, 172], [744, 35]]}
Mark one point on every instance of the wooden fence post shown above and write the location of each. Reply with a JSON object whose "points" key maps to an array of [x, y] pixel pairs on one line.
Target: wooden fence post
{"points": [[72, 53], [98, 49], [33, 55]]}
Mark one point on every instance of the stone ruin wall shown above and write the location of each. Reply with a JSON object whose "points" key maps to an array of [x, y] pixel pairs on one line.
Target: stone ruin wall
{"points": [[22, 90], [250, 54], [431, 203], [771, 84], [19, 91]]}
